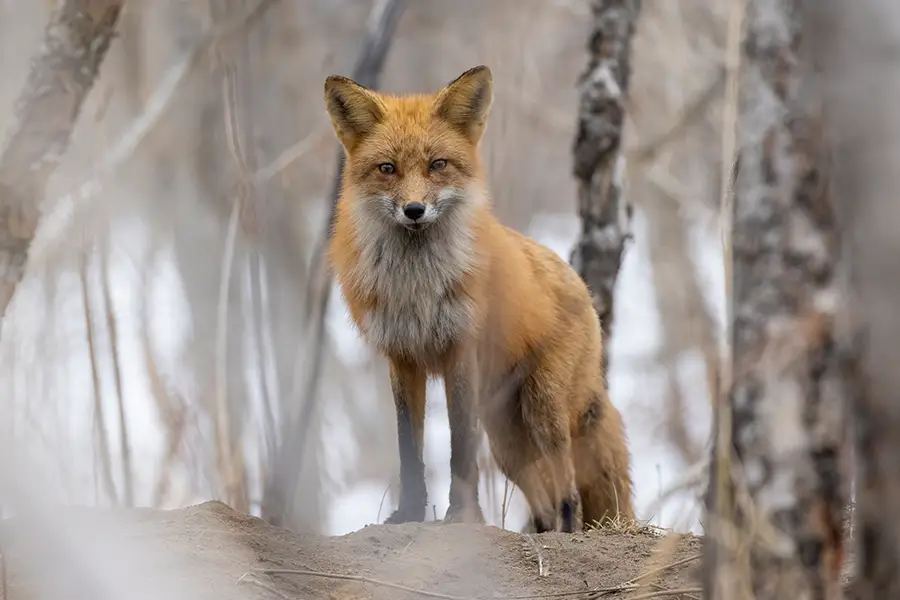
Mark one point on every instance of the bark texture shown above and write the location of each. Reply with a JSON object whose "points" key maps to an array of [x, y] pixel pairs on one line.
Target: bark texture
{"points": [[599, 165], [859, 58], [786, 398], [62, 73]]}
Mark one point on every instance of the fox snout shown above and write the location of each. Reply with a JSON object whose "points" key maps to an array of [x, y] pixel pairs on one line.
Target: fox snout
{"points": [[415, 214], [414, 210]]}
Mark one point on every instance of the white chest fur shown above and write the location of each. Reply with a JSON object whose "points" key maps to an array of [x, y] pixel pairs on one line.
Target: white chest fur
{"points": [[421, 310]]}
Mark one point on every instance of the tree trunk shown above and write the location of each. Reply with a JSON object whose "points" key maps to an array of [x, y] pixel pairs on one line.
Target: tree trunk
{"points": [[859, 60], [785, 402], [599, 164], [75, 42]]}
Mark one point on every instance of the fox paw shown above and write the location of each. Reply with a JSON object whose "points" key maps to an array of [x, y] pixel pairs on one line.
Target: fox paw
{"points": [[464, 514], [406, 515]]}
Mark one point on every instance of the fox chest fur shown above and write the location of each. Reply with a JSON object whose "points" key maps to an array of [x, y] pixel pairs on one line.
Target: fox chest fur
{"points": [[419, 305]]}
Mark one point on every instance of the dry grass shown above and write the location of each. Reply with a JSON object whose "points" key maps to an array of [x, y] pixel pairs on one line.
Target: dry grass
{"points": [[621, 524]]}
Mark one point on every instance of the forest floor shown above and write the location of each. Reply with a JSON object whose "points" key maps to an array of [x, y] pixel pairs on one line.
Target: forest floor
{"points": [[210, 551]]}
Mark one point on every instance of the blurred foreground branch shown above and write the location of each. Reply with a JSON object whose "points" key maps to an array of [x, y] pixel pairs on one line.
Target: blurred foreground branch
{"points": [[283, 480], [75, 43], [599, 163], [858, 47], [778, 531]]}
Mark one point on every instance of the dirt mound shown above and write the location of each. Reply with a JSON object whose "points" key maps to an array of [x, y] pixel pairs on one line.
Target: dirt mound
{"points": [[203, 551]]}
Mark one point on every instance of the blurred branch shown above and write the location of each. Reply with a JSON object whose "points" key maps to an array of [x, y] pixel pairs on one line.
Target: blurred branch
{"points": [[112, 328], [100, 430], [689, 115], [282, 482], [599, 165], [785, 398], [172, 410], [856, 45], [686, 321], [261, 328], [239, 134], [227, 451], [720, 492], [75, 43], [239, 140]]}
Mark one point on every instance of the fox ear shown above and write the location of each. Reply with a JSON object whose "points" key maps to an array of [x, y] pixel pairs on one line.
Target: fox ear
{"points": [[354, 110], [466, 101]]}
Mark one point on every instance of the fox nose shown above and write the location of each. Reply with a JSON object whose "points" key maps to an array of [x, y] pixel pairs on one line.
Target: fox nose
{"points": [[414, 210]]}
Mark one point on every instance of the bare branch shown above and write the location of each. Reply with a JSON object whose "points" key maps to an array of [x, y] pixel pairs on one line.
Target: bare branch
{"points": [[75, 42], [101, 440], [112, 328]]}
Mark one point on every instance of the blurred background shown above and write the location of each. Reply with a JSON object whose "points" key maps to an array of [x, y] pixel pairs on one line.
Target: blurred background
{"points": [[162, 345]]}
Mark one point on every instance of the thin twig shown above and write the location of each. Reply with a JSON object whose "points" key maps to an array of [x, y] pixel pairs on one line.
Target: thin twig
{"points": [[632, 584], [361, 579], [381, 504], [290, 156], [503, 507], [540, 555], [257, 311], [172, 409], [99, 418], [660, 588], [269, 588], [665, 567], [113, 332], [590, 594], [223, 414], [721, 479], [661, 593], [690, 113]]}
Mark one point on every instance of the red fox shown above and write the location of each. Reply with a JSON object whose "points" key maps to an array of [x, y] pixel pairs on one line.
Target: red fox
{"points": [[441, 288]]}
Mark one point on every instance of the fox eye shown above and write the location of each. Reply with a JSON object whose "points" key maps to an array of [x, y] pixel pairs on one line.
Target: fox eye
{"points": [[437, 165], [386, 168]]}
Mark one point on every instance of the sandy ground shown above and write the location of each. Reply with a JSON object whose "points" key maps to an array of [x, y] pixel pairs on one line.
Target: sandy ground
{"points": [[205, 552]]}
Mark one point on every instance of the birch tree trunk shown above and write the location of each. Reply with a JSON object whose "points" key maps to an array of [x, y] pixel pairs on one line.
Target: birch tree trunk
{"points": [[599, 164], [860, 60], [62, 73], [786, 401]]}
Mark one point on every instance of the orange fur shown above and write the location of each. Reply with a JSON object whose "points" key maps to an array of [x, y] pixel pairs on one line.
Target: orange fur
{"points": [[440, 287]]}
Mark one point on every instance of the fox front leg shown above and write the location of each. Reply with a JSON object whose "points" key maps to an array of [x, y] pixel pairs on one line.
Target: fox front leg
{"points": [[460, 383], [408, 388]]}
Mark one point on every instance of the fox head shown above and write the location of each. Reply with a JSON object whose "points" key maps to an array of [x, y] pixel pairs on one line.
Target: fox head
{"points": [[412, 159]]}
